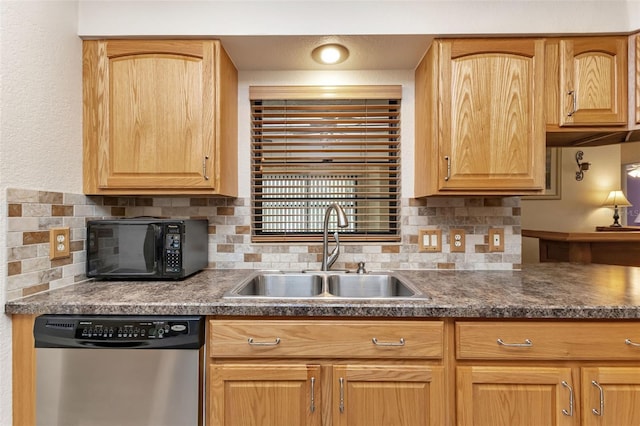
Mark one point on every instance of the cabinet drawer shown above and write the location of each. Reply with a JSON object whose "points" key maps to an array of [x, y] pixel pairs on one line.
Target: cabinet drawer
{"points": [[325, 339], [548, 340]]}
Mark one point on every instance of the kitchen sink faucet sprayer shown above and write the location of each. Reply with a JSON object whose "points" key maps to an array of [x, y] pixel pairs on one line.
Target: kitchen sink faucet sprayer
{"points": [[329, 259]]}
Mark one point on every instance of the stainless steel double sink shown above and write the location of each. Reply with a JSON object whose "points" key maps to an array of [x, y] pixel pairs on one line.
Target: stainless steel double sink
{"points": [[323, 285]]}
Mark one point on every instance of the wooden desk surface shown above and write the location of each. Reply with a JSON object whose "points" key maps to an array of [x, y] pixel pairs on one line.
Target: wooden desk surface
{"points": [[630, 236], [612, 248]]}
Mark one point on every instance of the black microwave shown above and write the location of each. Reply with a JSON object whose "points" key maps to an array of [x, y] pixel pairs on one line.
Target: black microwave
{"points": [[146, 248]]}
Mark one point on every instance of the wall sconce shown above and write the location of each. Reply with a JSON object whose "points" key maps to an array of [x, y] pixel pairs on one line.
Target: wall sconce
{"points": [[582, 166], [616, 199]]}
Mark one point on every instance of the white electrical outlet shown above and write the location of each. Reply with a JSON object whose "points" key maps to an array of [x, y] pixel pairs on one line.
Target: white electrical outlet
{"points": [[457, 240], [59, 243]]}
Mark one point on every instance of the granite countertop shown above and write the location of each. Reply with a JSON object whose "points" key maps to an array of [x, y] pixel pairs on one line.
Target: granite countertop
{"points": [[546, 290]]}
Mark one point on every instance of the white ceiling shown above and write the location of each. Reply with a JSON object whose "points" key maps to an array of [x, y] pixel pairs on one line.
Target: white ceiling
{"points": [[367, 52]]}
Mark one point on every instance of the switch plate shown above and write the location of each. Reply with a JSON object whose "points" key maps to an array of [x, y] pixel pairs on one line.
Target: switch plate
{"points": [[430, 240], [496, 240], [59, 243], [457, 240]]}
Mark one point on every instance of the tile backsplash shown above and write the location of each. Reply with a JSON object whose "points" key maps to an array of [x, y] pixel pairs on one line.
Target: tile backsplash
{"points": [[32, 213]]}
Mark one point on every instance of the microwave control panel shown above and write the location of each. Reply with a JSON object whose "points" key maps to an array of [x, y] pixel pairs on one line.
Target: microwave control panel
{"points": [[173, 258]]}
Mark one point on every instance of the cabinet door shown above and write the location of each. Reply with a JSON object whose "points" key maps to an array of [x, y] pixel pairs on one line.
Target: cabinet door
{"points": [[492, 115], [593, 81], [515, 396], [264, 395], [637, 78], [388, 396], [611, 396], [149, 108]]}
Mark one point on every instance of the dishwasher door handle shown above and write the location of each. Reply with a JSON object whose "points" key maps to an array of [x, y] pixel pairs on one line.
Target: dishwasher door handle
{"points": [[114, 345]]}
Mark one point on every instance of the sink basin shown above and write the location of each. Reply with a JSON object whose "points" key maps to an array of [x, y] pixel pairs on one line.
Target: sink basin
{"points": [[369, 286], [323, 285], [279, 285]]}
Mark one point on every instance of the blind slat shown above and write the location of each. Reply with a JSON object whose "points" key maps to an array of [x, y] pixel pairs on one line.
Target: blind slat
{"points": [[307, 154]]}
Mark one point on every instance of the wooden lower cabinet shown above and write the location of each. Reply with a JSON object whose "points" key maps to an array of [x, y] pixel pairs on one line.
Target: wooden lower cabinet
{"points": [[532, 396], [264, 395], [515, 396], [355, 395], [326, 372], [611, 396], [388, 395], [555, 373]]}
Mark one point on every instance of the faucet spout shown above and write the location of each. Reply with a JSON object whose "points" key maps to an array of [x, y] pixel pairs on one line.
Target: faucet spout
{"points": [[329, 259]]}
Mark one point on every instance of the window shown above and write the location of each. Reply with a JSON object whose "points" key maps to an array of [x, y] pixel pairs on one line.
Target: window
{"points": [[313, 146]]}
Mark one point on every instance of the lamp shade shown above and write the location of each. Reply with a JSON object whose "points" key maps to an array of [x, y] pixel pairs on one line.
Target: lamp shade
{"points": [[616, 199]]}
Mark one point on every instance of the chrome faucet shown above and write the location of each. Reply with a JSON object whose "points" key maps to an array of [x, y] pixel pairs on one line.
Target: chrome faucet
{"points": [[329, 259]]}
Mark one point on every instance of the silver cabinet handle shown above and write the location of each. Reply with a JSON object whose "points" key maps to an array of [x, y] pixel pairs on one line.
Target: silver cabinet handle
{"points": [[313, 394], [631, 343], [274, 343], [400, 343], [527, 344], [564, 411], [572, 93], [204, 167], [448, 160], [341, 394], [593, 410]]}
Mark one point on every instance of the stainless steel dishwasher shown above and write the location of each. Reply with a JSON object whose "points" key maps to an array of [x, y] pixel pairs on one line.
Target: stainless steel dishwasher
{"points": [[119, 370]]}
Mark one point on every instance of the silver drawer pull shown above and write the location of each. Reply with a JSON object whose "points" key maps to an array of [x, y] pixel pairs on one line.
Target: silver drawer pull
{"points": [[630, 343], [448, 160], [574, 102], [400, 343], [313, 394], [204, 167], [527, 344], [593, 410], [274, 343], [564, 411], [341, 406]]}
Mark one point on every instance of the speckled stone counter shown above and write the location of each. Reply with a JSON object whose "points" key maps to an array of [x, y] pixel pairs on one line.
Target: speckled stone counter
{"points": [[547, 290]]}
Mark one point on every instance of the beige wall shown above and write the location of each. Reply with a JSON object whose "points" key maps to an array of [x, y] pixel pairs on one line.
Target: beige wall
{"points": [[630, 153], [579, 208]]}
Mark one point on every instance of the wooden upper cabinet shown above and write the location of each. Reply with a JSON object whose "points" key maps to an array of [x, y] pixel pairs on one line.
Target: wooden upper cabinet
{"points": [[480, 118], [587, 81], [160, 117], [637, 78]]}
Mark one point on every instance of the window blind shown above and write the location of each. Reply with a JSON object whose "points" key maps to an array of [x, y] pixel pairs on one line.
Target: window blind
{"points": [[312, 147]]}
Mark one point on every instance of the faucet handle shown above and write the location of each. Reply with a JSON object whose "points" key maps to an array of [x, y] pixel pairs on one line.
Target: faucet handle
{"points": [[361, 269]]}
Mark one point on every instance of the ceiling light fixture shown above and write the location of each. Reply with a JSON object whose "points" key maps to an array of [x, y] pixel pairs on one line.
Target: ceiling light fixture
{"points": [[633, 170], [330, 54]]}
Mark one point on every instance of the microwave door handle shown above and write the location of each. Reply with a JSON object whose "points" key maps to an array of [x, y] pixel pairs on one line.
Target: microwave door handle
{"points": [[152, 247], [159, 254]]}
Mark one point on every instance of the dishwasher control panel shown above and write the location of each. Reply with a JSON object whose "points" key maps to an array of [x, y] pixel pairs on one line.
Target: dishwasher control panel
{"points": [[116, 330], [119, 331]]}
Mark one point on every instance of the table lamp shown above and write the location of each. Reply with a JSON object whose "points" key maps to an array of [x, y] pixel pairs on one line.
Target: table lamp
{"points": [[616, 199]]}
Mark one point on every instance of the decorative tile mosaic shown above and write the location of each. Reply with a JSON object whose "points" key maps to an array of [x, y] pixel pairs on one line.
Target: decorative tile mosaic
{"points": [[32, 213]]}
